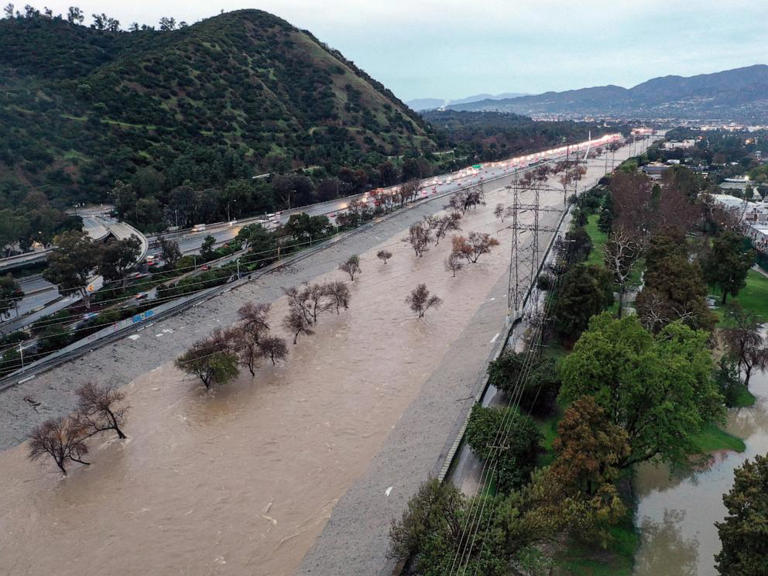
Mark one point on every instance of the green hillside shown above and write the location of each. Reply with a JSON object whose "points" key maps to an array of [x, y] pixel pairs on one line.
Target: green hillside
{"points": [[198, 107]]}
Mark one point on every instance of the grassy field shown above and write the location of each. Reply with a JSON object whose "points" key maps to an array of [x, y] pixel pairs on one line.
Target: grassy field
{"points": [[753, 297], [713, 439], [598, 240]]}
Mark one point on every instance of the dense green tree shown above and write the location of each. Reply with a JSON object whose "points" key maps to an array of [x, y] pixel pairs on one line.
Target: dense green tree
{"points": [[305, 228], [674, 287], [206, 248], [71, 263], [438, 527], [659, 389], [170, 251], [533, 380], [727, 262], [260, 241], [117, 257], [510, 438], [589, 448], [578, 245], [212, 360], [586, 291], [744, 532], [10, 294]]}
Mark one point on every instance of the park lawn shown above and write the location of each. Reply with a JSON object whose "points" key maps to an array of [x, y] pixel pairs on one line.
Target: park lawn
{"points": [[713, 439], [598, 240], [753, 297]]}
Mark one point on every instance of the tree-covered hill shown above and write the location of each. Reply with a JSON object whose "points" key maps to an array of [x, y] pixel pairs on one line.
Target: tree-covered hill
{"points": [[226, 98]]}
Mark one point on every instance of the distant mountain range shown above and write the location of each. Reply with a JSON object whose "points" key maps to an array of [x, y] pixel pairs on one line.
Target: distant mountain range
{"points": [[732, 95], [420, 104]]}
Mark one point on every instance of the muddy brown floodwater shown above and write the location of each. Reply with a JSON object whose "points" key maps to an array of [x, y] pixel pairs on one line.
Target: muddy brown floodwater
{"points": [[242, 480], [677, 515]]}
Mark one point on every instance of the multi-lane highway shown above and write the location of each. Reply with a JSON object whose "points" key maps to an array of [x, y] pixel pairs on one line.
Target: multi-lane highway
{"points": [[99, 225], [190, 241]]}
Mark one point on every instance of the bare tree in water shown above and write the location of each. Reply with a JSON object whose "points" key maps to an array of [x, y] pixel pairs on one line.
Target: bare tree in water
{"points": [[420, 300], [63, 439], [454, 263], [419, 237], [338, 295], [351, 267], [296, 323], [100, 410], [274, 348], [384, 255]]}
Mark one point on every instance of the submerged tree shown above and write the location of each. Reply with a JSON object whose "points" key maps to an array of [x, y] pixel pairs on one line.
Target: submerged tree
{"points": [[384, 255], [99, 408], [296, 323], [420, 300], [274, 348], [338, 294], [63, 439], [454, 263], [212, 359], [419, 237], [474, 246], [351, 267]]}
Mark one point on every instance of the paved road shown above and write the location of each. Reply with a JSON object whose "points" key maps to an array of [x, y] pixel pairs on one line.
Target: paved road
{"points": [[190, 242], [37, 292]]}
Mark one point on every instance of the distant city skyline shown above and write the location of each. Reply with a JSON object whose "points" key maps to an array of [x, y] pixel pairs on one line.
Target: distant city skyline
{"points": [[449, 49]]}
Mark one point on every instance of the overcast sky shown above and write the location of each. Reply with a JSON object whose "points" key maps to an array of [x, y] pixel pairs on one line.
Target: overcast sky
{"points": [[456, 48]]}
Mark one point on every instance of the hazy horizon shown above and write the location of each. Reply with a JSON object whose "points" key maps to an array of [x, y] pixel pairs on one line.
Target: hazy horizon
{"points": [[431, 49]]}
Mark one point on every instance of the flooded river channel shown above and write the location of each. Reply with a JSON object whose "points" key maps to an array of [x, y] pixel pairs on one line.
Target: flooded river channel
{"points": [[677, 515], [242, 480]]}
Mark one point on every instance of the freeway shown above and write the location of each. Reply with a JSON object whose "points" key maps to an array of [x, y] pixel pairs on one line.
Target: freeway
{"points": [[190, 241], [37, 292], [97, 226], [42, 298]]}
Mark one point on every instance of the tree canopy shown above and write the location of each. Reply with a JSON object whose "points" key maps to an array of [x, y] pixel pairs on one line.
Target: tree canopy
{"points": [[659, 389]]}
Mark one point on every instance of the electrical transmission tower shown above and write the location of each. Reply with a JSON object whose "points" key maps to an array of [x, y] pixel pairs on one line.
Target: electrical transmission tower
{"points": [[525, 250]]}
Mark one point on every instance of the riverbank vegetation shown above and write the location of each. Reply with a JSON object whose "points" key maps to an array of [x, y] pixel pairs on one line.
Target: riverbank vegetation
{"points": [[644, 380]]}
